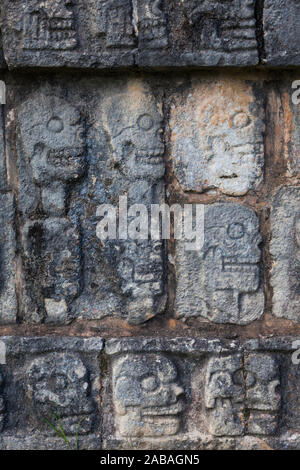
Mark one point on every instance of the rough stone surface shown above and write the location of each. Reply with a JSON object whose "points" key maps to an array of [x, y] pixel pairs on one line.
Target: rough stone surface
{"points": [[68, 165], [217, 141], [48, 377], [222, 281], [285, 246], [123, 33], [8, 300], [281, 32]]}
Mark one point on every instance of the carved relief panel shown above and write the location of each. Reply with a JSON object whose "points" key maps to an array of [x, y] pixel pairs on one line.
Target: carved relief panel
{"points": [[222, 281]]}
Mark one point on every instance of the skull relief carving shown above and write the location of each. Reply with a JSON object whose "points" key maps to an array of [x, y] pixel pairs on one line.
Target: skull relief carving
{"points": [[217, 138], [59, 383], [222, 281], [133, 121], [146, 396], [50, 24], [224, 394]]}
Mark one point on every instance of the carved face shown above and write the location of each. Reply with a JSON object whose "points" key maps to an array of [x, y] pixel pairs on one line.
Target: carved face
{"points": [[50, 24], [133, 121], [217, 137], [223, 380], [146, 395], [262, 382], [52, 136], [224, 395], [231, 256], [58, 383]]}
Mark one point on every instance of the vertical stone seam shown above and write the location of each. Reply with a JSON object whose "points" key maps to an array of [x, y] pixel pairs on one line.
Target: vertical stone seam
{"points": [[259, 15]]}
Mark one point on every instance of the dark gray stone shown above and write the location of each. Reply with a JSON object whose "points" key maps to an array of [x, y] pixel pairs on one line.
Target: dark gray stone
{"points": [[8, 299], [45, 379], [221, 282], [70, 161], [285, 251], [281, 32], [124, 33]]}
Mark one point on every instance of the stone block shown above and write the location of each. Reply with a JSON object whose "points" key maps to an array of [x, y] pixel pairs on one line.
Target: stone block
{"points": [[221, 282], [217, 136], [285, 251], [50, 379], [125, 33], [281, 32], [8, 298], [71, 161]]}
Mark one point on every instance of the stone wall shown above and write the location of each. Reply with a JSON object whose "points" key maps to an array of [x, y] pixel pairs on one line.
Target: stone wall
{"points": [[139, 344]]}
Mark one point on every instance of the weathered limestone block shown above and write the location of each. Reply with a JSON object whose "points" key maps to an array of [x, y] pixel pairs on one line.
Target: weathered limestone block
{"points": [[123, 33], [51, 156], [54, 377], [224, 395], [217, 136], [221, 282], [262, 393], [79, 33], [281, 32], [146, 396], [126, 276], [8, 299], [285, 251], [212, 33]]}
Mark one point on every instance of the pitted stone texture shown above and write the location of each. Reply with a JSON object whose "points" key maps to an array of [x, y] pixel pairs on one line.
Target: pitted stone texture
{"points": [[48, 377], [123, 277], [8, 299], [124, 33], [3, 172], [221, 282], [216, 140], [51, 156], [146, 396], [281, 32], [89, 33], [224, 395], [262, 393], [285, 251], [208, 33]]}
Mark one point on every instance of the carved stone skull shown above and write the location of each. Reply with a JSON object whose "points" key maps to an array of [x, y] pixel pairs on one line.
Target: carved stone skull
{"points": [[58, 383], [50, 24], [224, 395], [146, 396], [133, 121]]}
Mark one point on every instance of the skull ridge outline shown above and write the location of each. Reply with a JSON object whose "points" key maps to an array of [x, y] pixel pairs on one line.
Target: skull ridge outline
{"points": [[59, 383], [147, 396]]}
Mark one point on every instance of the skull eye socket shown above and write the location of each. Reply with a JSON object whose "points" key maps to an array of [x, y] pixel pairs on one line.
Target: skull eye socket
{"points": [[149, 384], [240, 120], [55, 125], [145, 122], [236, 231]]}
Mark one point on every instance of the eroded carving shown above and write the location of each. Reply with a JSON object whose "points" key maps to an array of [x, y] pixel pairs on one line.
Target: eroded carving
{"points": [[224, 395], [59, 383], [221, 282], [217, 138], [286, 253], [263, 393], [146, 396], [222, 24], [115, 21], [52, 156], [133, 122], [152, 25], [50, 24]]}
